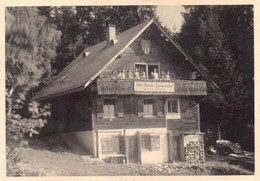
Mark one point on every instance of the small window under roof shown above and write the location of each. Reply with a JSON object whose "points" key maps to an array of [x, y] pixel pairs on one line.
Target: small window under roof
{"points": [[85, 54]]}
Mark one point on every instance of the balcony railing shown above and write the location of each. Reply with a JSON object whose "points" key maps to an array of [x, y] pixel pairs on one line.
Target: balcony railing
{"points": [[151, 87]]}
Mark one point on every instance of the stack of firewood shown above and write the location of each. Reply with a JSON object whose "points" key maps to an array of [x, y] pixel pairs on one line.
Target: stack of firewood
{"points": [[194, 152]]}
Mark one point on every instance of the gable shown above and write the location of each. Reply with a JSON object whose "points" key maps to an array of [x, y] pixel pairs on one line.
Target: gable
{"points": [[84, 69], [158, 55]]}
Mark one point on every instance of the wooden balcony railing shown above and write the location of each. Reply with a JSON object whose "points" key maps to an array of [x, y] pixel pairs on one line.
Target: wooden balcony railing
{"points": [[151, 87]]}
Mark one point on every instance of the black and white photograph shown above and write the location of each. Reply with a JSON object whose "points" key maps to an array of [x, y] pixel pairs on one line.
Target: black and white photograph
{"points": [[129, 90]]}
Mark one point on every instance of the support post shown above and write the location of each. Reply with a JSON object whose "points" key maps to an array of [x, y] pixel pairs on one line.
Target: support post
{"points": [[139, 147], [97, 144], [125, 147], [170, 146]]}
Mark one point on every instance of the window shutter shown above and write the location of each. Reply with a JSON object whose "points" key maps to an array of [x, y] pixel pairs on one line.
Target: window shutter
{"points": [[155, 142], [116, 144], [140, 108], [120, 108], [99, 107], [159, 107]]}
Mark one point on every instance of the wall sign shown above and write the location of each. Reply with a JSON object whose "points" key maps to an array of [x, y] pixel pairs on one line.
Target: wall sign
{"points": [[153, 86]]}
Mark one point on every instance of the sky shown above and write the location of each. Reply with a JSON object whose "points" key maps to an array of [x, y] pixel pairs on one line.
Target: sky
{"points": [[171, 16]]}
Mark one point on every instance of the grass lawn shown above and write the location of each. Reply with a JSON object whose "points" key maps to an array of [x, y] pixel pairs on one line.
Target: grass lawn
{"points": [[46, 158]]}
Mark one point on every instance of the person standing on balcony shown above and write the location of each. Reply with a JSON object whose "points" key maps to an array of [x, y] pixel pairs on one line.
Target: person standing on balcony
{"points": [[137, 74], [167, 75], [143, 75], [123, 74], [154, 74], [130, 74]]}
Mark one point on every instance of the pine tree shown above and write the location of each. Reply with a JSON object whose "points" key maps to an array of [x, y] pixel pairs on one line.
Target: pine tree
{"points": [[84, 26], [29, 47], [213, 45]]}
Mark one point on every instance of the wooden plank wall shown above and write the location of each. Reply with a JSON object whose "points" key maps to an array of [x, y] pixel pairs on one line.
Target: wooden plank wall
{"points": [[189, 121], [70, 113], [125, 87], [130, 120]]}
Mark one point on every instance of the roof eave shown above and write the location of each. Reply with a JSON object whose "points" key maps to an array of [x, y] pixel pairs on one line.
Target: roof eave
{"points": [[211, 83], [42, 98]]}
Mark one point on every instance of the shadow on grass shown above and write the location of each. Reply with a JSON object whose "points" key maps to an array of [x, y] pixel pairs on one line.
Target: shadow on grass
{"points": [[246, 162]]}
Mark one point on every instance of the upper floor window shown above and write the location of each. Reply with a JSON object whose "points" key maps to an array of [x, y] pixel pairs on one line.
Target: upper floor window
{"points": [[173, 106], [153, 72], [148, 107], [173, 109], [109, 108], [147, 71]]}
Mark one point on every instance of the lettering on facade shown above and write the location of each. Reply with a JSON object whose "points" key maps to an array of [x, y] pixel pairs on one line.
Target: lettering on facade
{"points": [[154, 86]]}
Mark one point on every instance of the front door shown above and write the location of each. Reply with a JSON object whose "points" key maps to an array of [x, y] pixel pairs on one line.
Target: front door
{"points": [[131, 146]]}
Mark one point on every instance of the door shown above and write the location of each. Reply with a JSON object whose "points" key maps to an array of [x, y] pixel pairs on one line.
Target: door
{"points": [[131, 147]]}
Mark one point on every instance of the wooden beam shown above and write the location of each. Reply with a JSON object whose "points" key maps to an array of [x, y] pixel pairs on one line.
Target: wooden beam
{"points": [[126, 87], [126, 148], [139, 147]]}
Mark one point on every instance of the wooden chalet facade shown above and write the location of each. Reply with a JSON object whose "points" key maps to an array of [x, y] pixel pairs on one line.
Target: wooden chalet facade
{"points": [[128, 100]]}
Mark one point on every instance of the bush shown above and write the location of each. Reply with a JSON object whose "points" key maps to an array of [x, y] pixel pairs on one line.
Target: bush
{"points": [[17, 127], [225, 147]]}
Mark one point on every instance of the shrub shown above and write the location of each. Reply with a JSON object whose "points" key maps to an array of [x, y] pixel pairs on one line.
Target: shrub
{"points": [[225, 147], [17, 127]]}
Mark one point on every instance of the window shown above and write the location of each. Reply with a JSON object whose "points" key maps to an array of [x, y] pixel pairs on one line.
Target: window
{"points": [[107, 145], [146, 142], [147, 71], [150, 142], [148, 107], [110, 145], [153, 72], [173, 109], [109, 108], [155, 142], [173, 106]]}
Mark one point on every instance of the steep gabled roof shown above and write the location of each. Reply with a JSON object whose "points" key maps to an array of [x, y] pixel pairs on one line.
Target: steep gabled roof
{"points": [[84, 69]]}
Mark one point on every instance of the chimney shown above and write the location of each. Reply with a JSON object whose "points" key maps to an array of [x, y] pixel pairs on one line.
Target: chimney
{"points": [[111, 34]]}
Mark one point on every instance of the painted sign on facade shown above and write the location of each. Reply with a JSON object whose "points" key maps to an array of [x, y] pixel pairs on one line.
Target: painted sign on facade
{"points": [[154, 86]]}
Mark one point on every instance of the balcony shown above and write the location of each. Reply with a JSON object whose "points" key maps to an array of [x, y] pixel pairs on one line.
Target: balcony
{"points": [[151, 87]]}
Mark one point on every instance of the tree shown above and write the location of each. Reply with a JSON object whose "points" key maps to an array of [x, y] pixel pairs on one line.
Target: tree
{"points": [[213, 43], [84, 26], [29, 48]]}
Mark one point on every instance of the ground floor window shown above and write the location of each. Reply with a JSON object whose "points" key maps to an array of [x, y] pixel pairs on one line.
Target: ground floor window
{"points": [[110, 145], [173, 106], [150, 142], [146, 142]]}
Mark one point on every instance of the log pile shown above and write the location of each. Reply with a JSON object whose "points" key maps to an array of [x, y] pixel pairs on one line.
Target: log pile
{"points": [[194, 152]]}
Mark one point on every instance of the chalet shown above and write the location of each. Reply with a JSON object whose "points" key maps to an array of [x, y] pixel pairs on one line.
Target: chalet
{"points": [[129, 99]]}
